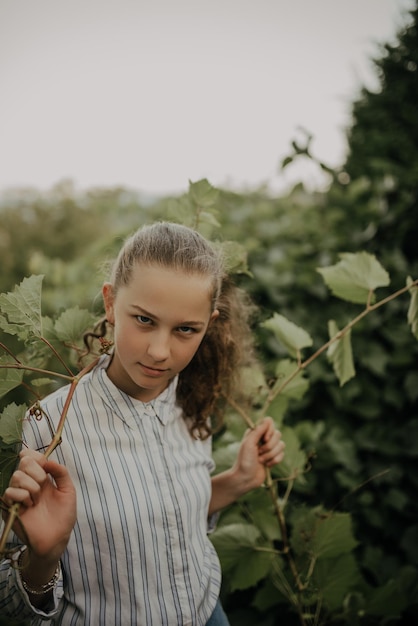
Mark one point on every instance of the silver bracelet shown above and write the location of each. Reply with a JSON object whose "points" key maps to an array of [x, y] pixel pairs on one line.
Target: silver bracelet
{"points": [[42, 589]]}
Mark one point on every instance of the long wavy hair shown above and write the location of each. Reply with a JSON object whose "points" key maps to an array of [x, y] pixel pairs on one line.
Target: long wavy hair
{"points": [[213, 375]]}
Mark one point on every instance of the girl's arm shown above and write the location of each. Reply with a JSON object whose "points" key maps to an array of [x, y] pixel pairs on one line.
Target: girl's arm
{"points": [[260, 448], [47, 516]]}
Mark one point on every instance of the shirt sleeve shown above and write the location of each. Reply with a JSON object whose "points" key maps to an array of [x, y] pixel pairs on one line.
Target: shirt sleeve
{"points": [[14, 601]]}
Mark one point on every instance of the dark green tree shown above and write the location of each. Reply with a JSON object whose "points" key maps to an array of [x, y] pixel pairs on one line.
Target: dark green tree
{"points": [[383, 144]]}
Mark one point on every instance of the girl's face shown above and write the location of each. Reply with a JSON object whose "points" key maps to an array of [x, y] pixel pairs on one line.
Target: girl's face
{"points": [[159, 320]]}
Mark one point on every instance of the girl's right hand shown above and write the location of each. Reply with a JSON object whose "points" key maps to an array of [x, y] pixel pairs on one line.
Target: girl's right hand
{"points": [[47, 507]]}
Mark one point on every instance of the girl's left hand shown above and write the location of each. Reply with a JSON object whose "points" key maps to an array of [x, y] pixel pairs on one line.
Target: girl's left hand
{"points": [[261, 447]]}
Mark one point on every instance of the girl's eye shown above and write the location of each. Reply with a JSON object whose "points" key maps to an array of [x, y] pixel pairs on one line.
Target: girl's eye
{"points": [[186, 330], [143, 319]]}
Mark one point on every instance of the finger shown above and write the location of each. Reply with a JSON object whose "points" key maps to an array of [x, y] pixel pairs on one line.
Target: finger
{"points": [[270, 426], [33, 454], [267, 428], [16, 494], [60, 475], [274, 455], [30, 482], [24, 479], [27, 479], [270, 441], [33, 467], [260, 432]]}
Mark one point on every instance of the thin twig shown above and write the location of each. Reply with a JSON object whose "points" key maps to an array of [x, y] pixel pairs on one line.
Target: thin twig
{"points": [[247, 419], [57, 355], [9, 352], [21, 366]]}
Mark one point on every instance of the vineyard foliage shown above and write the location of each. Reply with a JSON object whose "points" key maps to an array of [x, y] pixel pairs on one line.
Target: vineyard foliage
{"points": [[333, 539]]}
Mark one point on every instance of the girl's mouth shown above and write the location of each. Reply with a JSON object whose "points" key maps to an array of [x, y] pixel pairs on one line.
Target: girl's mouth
{"points": [[152, 371]]}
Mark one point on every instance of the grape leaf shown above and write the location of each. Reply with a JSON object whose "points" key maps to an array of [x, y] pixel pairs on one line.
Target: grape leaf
{"points": [[41, 382], [298, 386], [72, 324], [237, 545], [413, 308], [340, 354], [335, 577], [8, 461], [391, 594], [10, 377], [355, 276], [203, 194], [333, 536], [294, 460], [235, 258], [21, 309], [293, 337], [11, 423]]}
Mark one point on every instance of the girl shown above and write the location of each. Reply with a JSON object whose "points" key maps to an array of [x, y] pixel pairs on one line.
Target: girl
{"points": [[115, 527]]}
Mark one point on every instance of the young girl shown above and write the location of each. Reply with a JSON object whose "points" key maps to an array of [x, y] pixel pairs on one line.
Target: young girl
{"points": [[114, 529]]}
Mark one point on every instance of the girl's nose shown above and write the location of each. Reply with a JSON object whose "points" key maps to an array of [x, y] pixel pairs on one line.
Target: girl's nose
{"points": [[159, 347]]}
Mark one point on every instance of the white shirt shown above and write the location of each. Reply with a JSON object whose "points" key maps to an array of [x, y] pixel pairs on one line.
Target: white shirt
{"points": [[139, 554]]}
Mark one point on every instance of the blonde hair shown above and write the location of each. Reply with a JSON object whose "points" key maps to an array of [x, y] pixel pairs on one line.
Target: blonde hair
{"points": [[213, 373]]}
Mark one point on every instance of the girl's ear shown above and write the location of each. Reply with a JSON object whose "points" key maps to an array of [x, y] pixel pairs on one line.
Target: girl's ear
{"points": [[213, 316], [108, 300]]}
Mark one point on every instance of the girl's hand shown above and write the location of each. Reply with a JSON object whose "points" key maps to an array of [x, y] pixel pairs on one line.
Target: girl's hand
{"points": [[260, 448], [47, 499]]}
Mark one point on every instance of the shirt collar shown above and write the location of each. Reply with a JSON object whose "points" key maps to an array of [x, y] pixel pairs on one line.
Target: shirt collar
{"points": [[162, 406]]}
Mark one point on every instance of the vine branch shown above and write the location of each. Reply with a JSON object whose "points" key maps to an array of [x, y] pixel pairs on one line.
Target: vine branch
{"points": [[275, 391]]}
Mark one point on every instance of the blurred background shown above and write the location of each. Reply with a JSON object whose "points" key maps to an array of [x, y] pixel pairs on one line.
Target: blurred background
{"points": [[151, 94]]}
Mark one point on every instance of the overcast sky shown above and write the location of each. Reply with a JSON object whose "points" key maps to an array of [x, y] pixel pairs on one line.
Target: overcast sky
{"points": [[149, 94]]}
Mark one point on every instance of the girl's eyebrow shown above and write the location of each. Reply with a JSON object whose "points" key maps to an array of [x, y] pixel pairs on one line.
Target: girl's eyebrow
{"points": [[143, 311], [151, 315]]}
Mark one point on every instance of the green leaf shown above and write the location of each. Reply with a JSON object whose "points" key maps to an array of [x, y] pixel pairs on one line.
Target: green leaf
{"points": [[389, 599], [355, 276], [340, 354], [297, 386], [41, 382], [342, 448], [72, 324], [271, 594], [333, 536], [293, 337], [21, 309], [235, 258], [8, 461], [180, 210], [238, 547], [225, 456], [260, 510], [413, 308], [11, 423], [294, 461], [203, 194], [321, 534], [10, 377], [336, 578], [304, 521], [209, 218]]}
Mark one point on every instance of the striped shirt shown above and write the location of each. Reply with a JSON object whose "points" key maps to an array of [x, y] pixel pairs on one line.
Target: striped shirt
{"points": [[139, 554]]}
